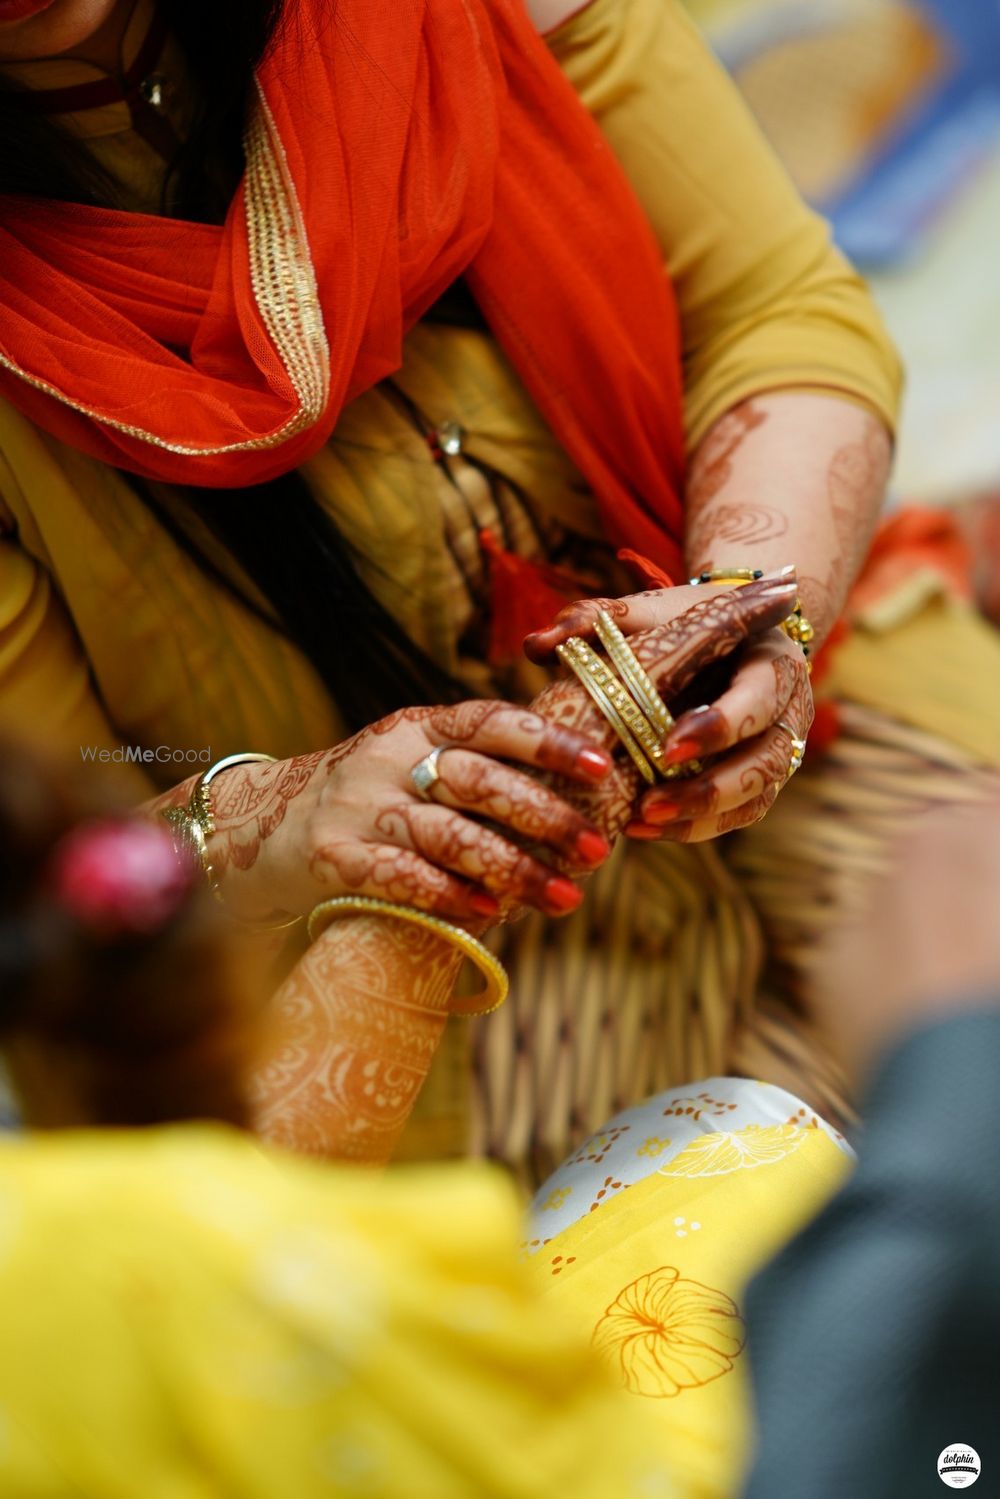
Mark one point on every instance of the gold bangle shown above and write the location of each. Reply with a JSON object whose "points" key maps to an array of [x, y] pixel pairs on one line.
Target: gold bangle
{"points": [[638, 681], [595, 678], [193, 825], [796, 626], [633, 674], [638, 724], [722, 575], [497, 983]]}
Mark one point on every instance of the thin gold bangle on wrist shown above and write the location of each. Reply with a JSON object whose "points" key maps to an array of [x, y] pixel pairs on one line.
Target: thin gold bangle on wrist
{"points": [[193, 825], [497, 983], [797, 627], [738, 576]]}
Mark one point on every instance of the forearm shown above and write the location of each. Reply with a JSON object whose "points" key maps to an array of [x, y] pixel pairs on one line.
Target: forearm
{"points": [[358, 1021], [355, 1029], [792, 477]]}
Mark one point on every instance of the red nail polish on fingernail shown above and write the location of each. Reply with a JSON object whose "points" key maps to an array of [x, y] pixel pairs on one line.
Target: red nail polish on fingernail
{"points": [[484, 905], [661, 811], [593, 762], [592, 847], [680, 750], [562, 895], [642, 830]]}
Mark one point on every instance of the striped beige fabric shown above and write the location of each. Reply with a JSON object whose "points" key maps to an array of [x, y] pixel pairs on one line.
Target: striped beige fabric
{"points": [[637, 991]]}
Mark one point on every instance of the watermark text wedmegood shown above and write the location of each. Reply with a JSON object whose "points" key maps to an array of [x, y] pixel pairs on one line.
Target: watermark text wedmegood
{"points": [[137, 754]]}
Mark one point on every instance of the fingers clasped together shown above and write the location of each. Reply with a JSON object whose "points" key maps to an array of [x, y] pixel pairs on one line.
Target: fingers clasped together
{"points": [[476, 810], [754, 732]]}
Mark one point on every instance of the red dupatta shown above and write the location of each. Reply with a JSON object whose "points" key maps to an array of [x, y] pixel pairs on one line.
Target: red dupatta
{"points": [[392, 146]]}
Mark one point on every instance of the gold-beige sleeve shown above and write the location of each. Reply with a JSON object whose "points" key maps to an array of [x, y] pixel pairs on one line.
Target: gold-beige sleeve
{"points": [[46, 692], [766, 300]]}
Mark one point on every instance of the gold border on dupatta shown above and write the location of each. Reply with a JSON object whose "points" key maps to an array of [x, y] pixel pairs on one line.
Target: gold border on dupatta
{"points": [[284, 288]]}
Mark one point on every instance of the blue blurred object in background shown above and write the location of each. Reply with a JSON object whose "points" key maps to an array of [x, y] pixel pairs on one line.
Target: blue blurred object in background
{"points": [[933, 147], [881, 108]]}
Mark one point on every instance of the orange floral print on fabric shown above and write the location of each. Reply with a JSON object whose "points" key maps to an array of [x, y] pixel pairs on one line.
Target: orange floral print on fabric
{"points": [[666, 1334]]}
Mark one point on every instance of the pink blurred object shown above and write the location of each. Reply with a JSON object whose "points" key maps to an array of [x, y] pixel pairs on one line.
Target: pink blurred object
{"points": [[120, 877], [980, 524]]}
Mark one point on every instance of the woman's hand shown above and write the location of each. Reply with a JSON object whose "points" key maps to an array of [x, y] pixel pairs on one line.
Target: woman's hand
{"points": [[749, 727], [720, 625], [349, 820]]}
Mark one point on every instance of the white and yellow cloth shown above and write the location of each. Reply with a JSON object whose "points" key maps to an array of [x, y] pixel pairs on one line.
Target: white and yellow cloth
{"points": [[184, 1315], [648, 1236], [707, 1128]]}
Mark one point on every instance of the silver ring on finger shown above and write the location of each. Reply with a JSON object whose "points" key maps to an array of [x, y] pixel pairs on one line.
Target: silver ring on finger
{"points": [[798, 748], [425, 774]]}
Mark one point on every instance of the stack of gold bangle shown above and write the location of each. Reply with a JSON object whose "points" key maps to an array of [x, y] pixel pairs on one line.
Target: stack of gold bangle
{"points": [[629, 700]]}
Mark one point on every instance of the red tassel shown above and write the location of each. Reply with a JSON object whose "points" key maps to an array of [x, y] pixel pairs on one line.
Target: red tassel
{"points": [[650, 572], [825, 728], [525, 596]]}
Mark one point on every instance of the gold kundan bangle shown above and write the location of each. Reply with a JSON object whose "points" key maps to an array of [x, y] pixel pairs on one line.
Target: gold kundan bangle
{"points": [[639, 726], [497, 983], [640, 684], [596, 680], [193, 825], [796, 626], [633, 674]]}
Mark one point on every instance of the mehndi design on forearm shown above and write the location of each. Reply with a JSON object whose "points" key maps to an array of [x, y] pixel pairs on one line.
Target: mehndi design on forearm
{"points": [[790, 477], [356, 1029]]}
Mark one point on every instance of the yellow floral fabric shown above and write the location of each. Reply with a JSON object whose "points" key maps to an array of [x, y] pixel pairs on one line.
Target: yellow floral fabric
{"points": [[736, 1150], [186, 1316], [656, 1273]]}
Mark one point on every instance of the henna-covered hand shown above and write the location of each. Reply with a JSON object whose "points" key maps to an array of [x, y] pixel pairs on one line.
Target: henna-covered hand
{"points": [[360, 1017], [348, 820], [739, 788], [770, 669], [634, 614], [772, 673]]}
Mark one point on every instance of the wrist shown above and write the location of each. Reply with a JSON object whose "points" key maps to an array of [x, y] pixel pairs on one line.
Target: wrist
{"points": [[219, 828]]}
